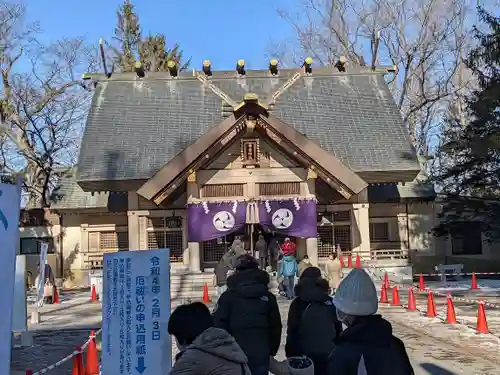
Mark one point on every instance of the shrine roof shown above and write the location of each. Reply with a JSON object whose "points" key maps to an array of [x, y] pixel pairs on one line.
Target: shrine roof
{"points": [[135, 126]]}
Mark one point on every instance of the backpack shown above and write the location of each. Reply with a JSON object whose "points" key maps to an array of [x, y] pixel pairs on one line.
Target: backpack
{"points": [[317, 330]]}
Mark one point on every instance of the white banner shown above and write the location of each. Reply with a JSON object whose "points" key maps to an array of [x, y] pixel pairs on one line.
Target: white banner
{"points": [[135, 313], [44, 248], [19, 317], [10, 202]]}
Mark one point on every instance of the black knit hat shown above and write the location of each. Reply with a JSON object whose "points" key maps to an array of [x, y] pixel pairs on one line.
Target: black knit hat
{"points": [[246, 262], [311, 273]]}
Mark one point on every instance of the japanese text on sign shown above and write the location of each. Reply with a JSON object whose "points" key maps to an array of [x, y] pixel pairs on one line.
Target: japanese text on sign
{"points": [[136, 290]]}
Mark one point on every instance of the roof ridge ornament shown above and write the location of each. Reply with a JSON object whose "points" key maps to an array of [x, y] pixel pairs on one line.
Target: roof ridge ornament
{"points": [[284, 88], [217, 91]]}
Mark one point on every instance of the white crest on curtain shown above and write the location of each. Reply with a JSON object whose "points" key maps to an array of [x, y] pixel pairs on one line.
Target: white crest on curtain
{"points": [[296, 204], [235, 206], [361, 366], [205, 208]]}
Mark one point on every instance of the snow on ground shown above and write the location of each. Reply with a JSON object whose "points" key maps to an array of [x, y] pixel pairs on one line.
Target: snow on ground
{"points": [[490, 286]]}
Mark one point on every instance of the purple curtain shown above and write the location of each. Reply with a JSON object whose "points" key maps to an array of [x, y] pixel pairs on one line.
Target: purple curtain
{"points": [[292, 217], [207, 221]]}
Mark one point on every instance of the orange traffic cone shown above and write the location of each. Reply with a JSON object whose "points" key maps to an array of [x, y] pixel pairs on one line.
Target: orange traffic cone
{"points": [[93, 297], [77, 363], [395, 296], [206, 297], [383, 295], [421, 283], [482, 324], [55, 298], [386, 280], [29, 372], [358, 261], [412, 303], [92, 361], [341, 261], [474, 282], [431, 306], [349, 261], [451, 318]]}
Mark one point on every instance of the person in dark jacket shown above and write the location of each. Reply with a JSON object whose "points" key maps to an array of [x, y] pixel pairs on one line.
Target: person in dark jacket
{"points": [[368, 340], [274, 251], [221, 270], [203, 349], [261, 249], [250, 313], [313, 339]]}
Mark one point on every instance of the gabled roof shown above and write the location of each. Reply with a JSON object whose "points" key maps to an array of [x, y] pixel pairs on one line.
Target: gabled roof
{"points": [[222, 135], [69, 196], [136, 126], [419, 189]]}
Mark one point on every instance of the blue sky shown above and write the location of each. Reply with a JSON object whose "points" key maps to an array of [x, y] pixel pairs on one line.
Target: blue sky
{"points": [[222, 31]]}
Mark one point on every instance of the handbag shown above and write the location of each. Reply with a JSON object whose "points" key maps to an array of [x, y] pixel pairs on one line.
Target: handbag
{"points": [[48, 289]]}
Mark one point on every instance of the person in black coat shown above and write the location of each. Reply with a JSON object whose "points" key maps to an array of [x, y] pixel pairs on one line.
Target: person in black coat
{"points": [[250, 313], [220, 271], [312, 334], [367, 342]]}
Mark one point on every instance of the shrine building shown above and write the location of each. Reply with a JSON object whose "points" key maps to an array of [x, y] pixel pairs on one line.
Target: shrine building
{"points": [[189, 160]]}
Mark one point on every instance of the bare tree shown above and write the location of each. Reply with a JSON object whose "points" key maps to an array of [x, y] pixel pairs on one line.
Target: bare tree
{"points": [[424, 39], [42, 107]]}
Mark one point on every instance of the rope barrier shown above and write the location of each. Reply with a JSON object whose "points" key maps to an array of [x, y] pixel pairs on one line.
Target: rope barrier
{"points": [[458, 274], [68, 357]]}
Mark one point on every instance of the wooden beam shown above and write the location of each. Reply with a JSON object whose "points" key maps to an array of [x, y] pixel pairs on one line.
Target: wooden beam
{"points": [[181, 163], [212, 152], [315, 154], [294, 153]]}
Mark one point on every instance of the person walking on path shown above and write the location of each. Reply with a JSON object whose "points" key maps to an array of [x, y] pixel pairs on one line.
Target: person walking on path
{"points": [[368, 340], [250, 313], [236, 249], [288, 271], [288, 248], [204, 349], [312, 324], [261, 249], [333, 270], [303, 264], [274, 251]]}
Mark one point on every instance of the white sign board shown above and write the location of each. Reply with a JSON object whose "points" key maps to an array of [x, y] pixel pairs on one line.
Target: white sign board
{"points": [[9, 236], [20, 317], [44, 249], [135, 313]]}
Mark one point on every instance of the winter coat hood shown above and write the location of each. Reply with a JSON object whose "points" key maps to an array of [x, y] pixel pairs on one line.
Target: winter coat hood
{"points": [[219, 343], [249, 283], [370, 330], [312, 290]]}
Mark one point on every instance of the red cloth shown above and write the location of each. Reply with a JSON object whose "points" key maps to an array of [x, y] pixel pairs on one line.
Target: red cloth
{"points": [[288, 248]]}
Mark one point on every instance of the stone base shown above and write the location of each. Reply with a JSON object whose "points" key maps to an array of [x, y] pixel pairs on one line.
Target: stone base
{"points": [[26, 339], [35, 317]]}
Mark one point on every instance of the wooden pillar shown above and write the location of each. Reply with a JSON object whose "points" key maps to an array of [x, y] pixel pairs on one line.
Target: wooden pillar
{"points": [[194, 257], [312, 243]]}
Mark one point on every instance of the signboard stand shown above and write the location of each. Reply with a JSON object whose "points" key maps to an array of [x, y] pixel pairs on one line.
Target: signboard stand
{"points": [[10, 203], [20, 316], [35, 315], [135, 313]]}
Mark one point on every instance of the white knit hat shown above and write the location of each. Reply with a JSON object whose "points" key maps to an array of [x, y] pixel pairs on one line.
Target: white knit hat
{"points": [[356, 294]]}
